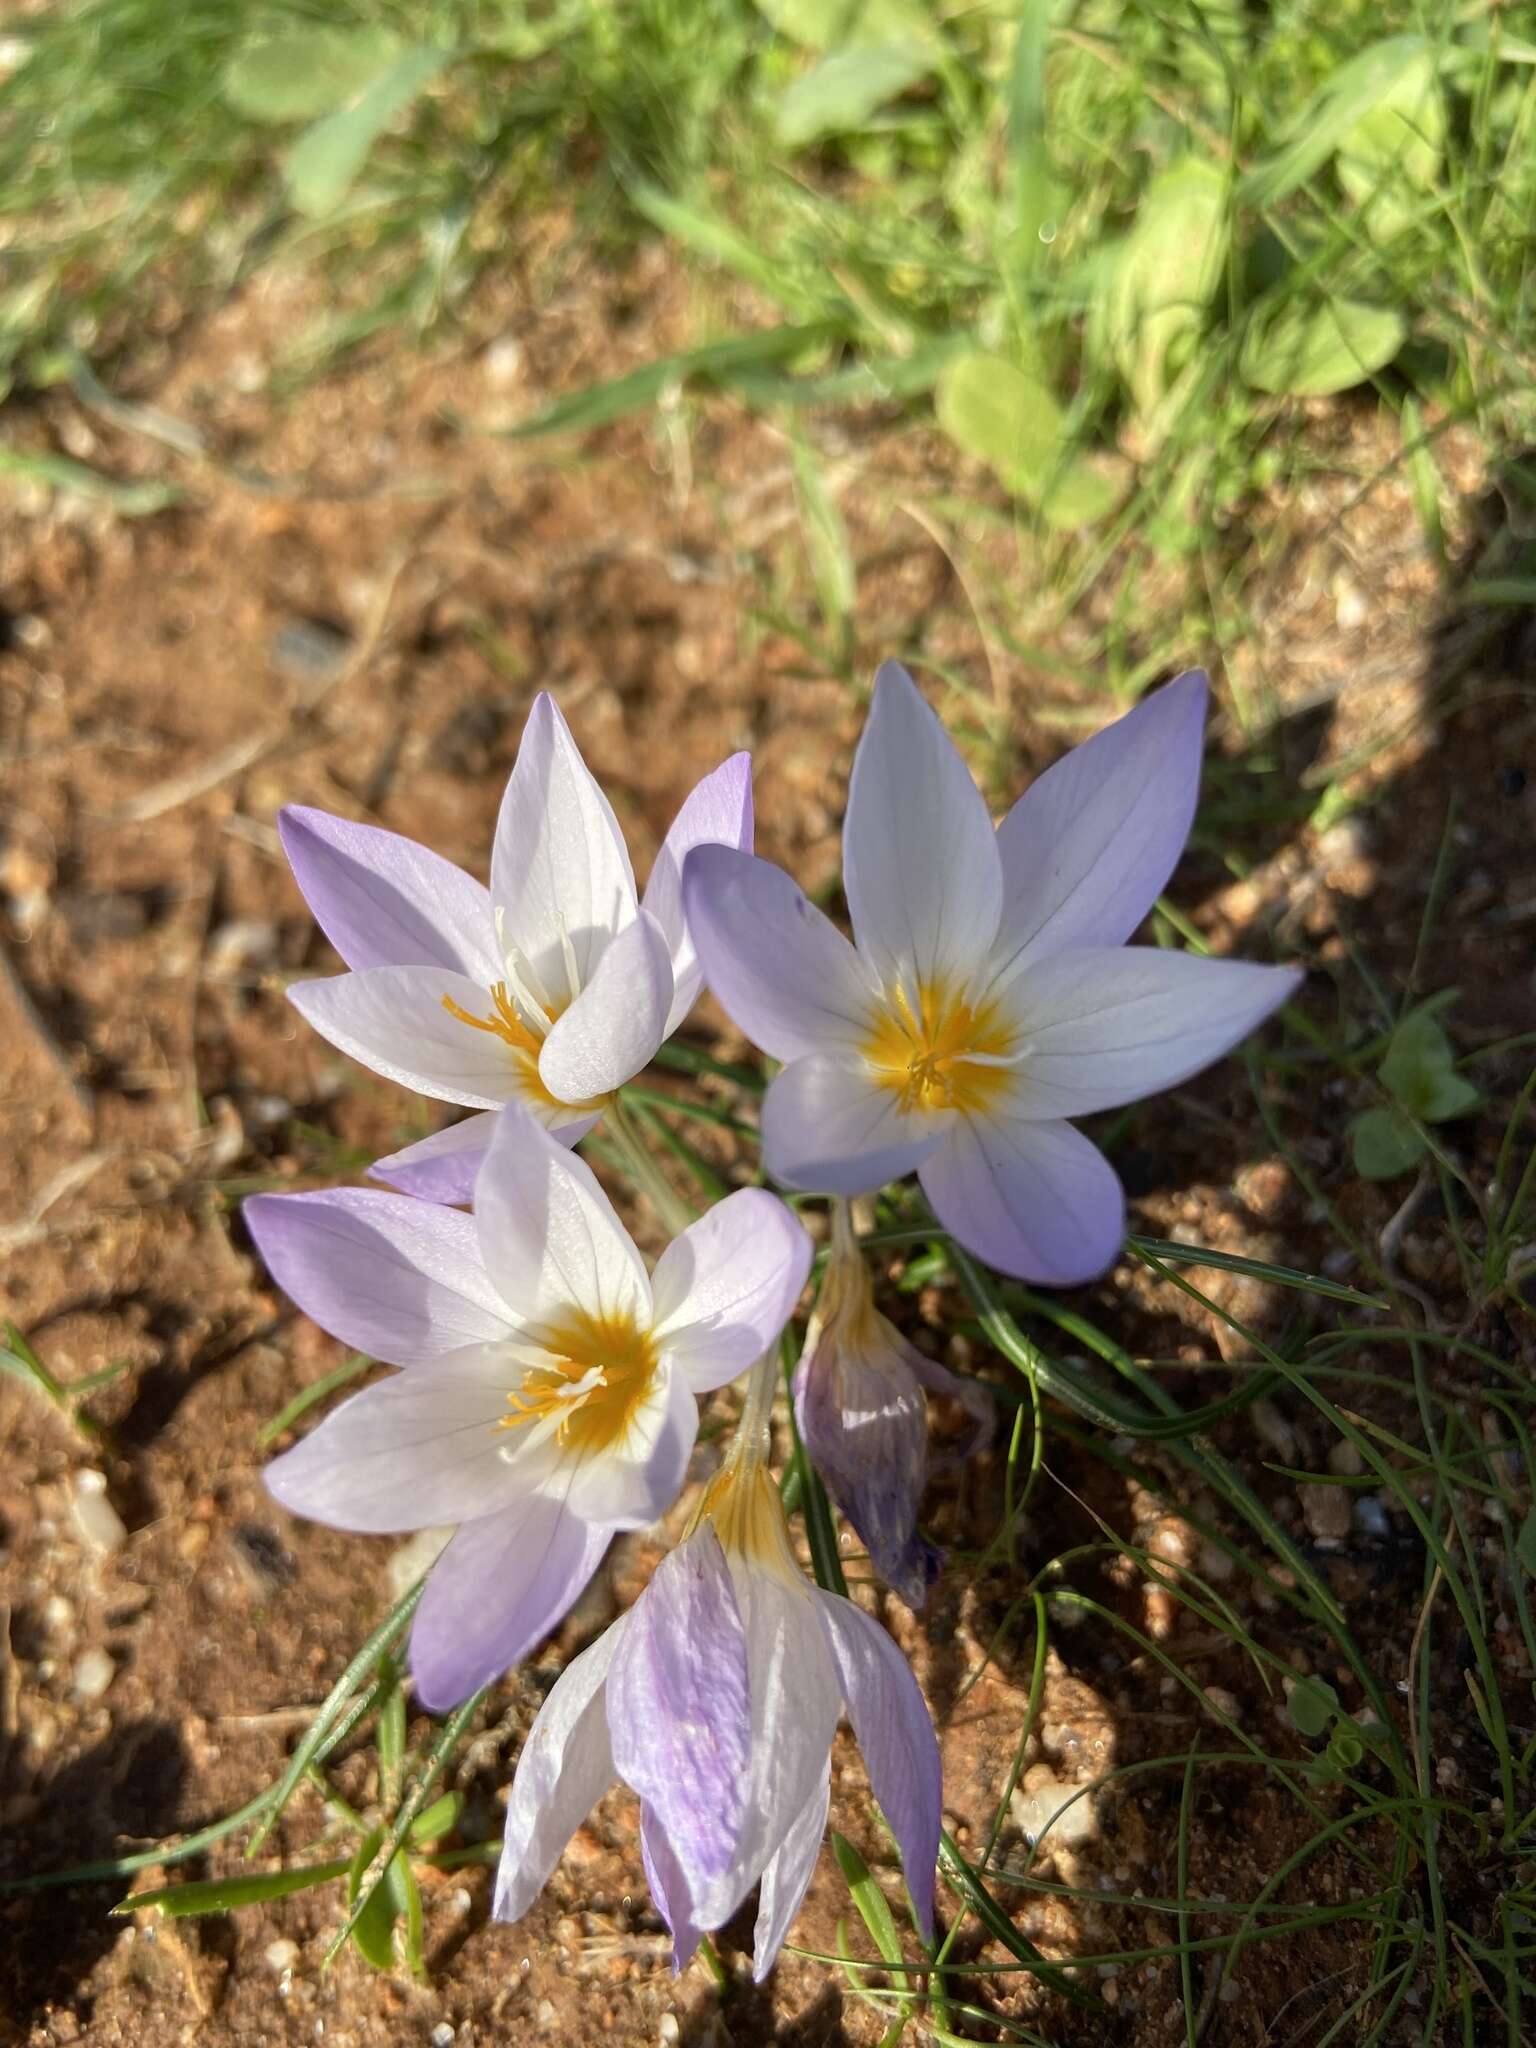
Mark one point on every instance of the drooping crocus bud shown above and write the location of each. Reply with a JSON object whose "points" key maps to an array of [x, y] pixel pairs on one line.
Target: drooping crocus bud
{"points": [[861, 1403]]}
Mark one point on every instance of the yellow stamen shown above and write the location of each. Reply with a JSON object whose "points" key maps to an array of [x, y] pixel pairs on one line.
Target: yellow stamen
{"points": [[521, 1039], [618, 1358], [942, 1052]]}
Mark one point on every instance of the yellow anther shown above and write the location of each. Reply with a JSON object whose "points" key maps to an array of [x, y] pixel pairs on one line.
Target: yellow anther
{"points": [[941, 1051]]}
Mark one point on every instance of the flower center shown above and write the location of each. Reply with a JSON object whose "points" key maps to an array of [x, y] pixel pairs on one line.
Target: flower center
{"points": [[940, 1051], [590, 1382]]}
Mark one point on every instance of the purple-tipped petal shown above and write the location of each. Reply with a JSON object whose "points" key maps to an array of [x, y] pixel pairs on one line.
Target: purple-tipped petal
{"points": [[559, 864], [864, 1422], [724, 1290], [1036, 1200], [779, 969], [414, 1452], [384, 901], [896, 1738], [679, 1715], [548, 1232], [1089, 847], [495, 1593], [920, 861], [1108, 1025], [565, 1768], [401, 1280], [617, 1022], [669, 1891], [787, 1878], [441, 1168], [393, 1020], [830, 1129], [716, 812]]}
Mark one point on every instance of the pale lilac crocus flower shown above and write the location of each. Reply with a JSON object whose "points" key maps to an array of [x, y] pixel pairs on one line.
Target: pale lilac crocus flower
{"points": [[715, 1699], [548, 1396], [862, 1411], [549, 989], [989, 995]]}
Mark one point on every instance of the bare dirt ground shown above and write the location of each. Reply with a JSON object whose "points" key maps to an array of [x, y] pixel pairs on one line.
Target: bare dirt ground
{"points": [[362, 626]]}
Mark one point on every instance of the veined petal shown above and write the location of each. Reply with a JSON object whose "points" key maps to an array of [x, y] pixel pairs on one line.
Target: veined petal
{"points": [[1109, 1024], [444, 1167], [617, 1022], [724, 1290], [787, 1877], [548, 1232], [679, 1716], [780, 970], [384, 901], [634, 1484], [565, 1768], [669, 1890], [401, 1280], [896, 1738], [414, 1452], [559, 866], [504, 1582], [920, 861], [715, 812], [1088, 848], [830, 1129], [1036, 1200], [795, 1706], [393, 1020]]}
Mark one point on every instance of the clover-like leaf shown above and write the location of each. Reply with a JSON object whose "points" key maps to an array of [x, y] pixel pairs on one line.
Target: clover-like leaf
{"points": [[1420, 1070], [1384, 1144]]}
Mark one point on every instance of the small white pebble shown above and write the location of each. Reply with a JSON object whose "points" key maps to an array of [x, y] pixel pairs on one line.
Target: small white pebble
{"points": [[442, 2035], [58, 1612], [669, 2028], [546, 2013], [281, 1955], [97, 1523], [503, 361], [94, 1672]]}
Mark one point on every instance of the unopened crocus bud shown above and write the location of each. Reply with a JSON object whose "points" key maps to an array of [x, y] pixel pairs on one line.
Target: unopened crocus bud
{"points": [[860, 1401]]}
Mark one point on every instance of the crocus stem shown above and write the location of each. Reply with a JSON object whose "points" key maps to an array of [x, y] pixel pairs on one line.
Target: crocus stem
{"points": [[845, 1239], [753, 1441], [669, 1205]]}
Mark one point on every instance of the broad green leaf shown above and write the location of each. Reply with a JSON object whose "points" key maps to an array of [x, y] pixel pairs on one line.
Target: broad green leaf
{"points": [[1393, 152], [1384, 1143], [374, 1928], [438, 1819], [1339, 103], [1011, 421], [1420, 1070], [1307, 350], [1312, 1705], [1167, 269], [226, 1894], [326, 158], [844, 88], [874, 1907], [306, 73], [1345, 1748]]}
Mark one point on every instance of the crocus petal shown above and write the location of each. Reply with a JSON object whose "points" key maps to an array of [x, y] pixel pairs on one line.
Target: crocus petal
{"points": [[679, 1716], [401, 1280], [795, 1706], [715, 812], [445, 1167], [633, 1484], [559, 866], [864, 1423], [1109, 1024], [393, 1020], [1089, 846], [384, 901], [1036, 1200], [831, 1130], [787, 1877], [549, 1234], [669, 1891], [896, 1739], [495, 1593], [780, 970], [414, 1452], [615, 1025], [920, 862], [565, 1768], [726, 1287]]}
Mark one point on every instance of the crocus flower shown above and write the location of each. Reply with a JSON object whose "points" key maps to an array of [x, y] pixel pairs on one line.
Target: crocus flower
{"points": [[548, 1396], [863, 1416], [715, 1699], [549, 989], [989, 994]]}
